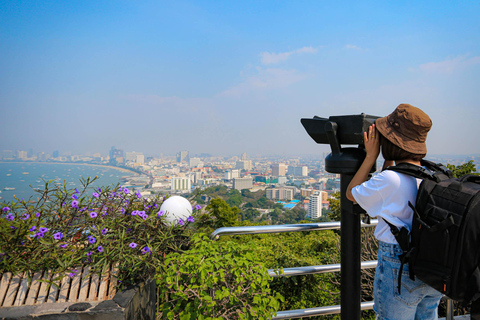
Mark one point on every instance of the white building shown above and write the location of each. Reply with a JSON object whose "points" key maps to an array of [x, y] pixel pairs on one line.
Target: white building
{"points": [[232, 174], [298, 171], [244, 165], [136, 157], [243, 183], [315, 205], [279, 169], [281, 193], [195, 163], [182, 184]]}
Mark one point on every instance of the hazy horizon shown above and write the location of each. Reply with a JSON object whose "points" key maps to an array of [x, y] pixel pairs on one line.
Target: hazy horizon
{"points": [[231, 77]]}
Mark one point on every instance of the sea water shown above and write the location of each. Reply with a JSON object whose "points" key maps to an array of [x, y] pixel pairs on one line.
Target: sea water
{"points": [[21, 178]]}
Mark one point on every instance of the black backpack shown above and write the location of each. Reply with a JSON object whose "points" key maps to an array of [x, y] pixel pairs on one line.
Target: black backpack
{"points": [[442, 248]]}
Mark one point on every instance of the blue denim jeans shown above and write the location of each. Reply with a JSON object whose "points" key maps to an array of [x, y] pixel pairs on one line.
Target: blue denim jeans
{"points": [[416, 301]]}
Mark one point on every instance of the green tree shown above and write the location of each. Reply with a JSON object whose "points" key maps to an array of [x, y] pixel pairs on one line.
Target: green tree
{"points": [[218, 214], [234, 198], [334, 207], [463, 169]]}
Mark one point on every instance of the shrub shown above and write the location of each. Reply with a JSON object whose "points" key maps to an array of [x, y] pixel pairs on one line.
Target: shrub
{"points": [[215, 280], [66, 229]]}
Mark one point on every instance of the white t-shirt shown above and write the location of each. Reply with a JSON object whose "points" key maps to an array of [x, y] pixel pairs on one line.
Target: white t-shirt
{"points": [[386, 195]]}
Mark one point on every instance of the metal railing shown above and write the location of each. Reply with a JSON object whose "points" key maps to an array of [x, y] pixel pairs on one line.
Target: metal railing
{"points": [[296, 271], [300, 313]]}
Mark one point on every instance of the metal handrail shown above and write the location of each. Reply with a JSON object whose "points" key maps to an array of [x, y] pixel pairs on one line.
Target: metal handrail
{"points": [[298, 271], [282, 228], [320, 311]]}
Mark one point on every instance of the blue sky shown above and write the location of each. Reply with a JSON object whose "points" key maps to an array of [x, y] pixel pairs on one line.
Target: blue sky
{"points": [[227, 77]]}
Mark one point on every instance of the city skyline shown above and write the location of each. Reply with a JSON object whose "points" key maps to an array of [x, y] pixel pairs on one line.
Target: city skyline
{"points": [[160, 77]]}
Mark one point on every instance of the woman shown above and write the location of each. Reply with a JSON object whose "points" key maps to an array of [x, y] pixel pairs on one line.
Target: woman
{"points": [[401, 136]]}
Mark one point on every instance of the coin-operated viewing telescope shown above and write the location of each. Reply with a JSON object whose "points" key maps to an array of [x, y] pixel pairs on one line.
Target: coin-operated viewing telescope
{"points": [[337, 131]]}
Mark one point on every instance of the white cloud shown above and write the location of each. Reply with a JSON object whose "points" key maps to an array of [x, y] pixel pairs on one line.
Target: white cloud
{"points": [[265, 79], [353, 47], [272, 58], [449, 66]]}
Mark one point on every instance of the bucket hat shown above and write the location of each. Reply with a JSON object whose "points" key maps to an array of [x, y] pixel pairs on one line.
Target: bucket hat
{"points": [[406, 127]]}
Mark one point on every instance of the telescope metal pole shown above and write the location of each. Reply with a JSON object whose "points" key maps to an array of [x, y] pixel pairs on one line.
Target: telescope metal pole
{"points": [[350, 254]]}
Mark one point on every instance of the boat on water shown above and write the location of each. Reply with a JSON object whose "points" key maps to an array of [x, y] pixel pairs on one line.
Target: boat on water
{"points": [[8, 188], [25, 172]]}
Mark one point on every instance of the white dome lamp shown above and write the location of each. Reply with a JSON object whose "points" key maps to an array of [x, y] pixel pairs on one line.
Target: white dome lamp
{"points": [[176, 208]]}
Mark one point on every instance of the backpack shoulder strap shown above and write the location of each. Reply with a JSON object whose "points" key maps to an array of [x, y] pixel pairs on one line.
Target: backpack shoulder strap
{"points": [[428, 170]]}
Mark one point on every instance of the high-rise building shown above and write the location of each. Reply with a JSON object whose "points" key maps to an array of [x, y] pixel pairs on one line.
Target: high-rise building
{"points": [[136, 157], [280, 193], [298, 171], [316, 204], [244, 156], [22, 155], [231, 174], [243, 183], [116, 155], [279, 169], [182, 184], [195, 163], [244, 165], [182, 156], [55, 153]]}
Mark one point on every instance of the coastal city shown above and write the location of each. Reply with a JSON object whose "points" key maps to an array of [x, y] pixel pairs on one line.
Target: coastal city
{"points": [[289, 182]]}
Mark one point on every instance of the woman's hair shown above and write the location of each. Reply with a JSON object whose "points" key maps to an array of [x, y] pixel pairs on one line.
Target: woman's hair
{"points": [[393, 152]]}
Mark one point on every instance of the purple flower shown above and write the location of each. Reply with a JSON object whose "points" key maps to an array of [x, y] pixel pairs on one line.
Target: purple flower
{"points": [[73, 273], [198, 207], [10, 217], [126, 191], [92, 239], [25, 216], [93, 214], [123, 210], [58, 236], [43, 230], [129, 230], [75, 204], [181, 222], [155, 205], [14, 228], [37, 214], [63, 245], [134, 212], [33, 228], [138, 194], [104, 231], [38, 235], [96, 195], [5, 209], [160, 213], [100, 249], [74, 196], [90, 253], [145, 250], [132, 245], [190, 219], [76, 191]]}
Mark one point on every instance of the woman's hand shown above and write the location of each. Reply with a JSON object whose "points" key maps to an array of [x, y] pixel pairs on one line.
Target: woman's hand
{"points": [[372, 147], [372, 142]]}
